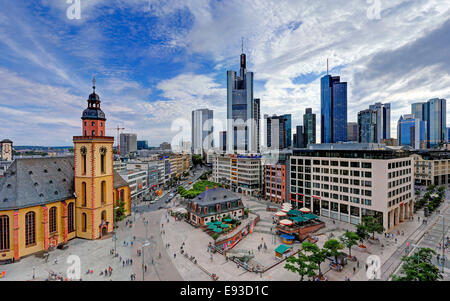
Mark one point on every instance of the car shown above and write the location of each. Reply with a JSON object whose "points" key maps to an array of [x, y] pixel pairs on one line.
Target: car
{"points": [[170, 195]]}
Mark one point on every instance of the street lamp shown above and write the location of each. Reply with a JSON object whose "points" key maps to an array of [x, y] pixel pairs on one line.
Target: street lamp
{"points": [[144, 244]]}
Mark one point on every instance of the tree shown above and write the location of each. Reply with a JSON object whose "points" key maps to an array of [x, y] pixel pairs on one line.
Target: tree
{"points": [[334, 247], [197, 159], [120, 210], [419, 267], [301, 265], [317, 255], [372, 225], [349, 239], [361, 231]]}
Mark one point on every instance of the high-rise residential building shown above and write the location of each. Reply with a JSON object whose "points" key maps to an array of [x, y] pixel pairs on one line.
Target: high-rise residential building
{"points": [[411, 131], [333, 105], [367, 126], [278, 131], [242, 112], [434, 113], [352, 131], [383, 120], [299, 141], [309, 127], [142, 144], [128, 143], [202, 131], [223, 141]]}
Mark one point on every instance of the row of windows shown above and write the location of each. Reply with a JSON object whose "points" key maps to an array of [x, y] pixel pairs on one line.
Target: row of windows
{"points": [[102, 163], [399, 182], [399, 164], [353, 173], [399, 199], [30, 226], [399, 173], [352, 164], [398, 191], [84, 193]]}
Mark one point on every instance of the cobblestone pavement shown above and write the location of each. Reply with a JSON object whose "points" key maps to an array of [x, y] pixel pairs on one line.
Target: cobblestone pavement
{"points": [[94, 255]]}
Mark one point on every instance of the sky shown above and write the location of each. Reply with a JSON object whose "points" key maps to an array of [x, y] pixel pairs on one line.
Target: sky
{"points": [[156, 61]]}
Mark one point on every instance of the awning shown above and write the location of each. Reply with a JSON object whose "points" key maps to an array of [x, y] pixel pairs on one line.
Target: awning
{"points": [[281, 249], [294, 212], [299, 219], [287, 236], [286, 222]]}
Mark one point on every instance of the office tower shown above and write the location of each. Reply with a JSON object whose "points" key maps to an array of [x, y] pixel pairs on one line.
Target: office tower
{"points": [[309, 127], [383, 120], [411, 131], [223, 141], [434, 113], [352, 131], [242, 110], [142, 144], [278, 131], [299, 137], [448, 134], [333, 105], [257, 116], [202, 131], [128, 143], [367, 126]]}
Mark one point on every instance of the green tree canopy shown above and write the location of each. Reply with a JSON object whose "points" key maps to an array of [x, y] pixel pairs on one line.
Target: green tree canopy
{"points": [[349, 239], [316, 254], [419, 267], [301, 265], [334, 247], [372, 225]]}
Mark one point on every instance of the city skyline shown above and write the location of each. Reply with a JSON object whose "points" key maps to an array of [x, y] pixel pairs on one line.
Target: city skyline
{"points": [[142, 67]]}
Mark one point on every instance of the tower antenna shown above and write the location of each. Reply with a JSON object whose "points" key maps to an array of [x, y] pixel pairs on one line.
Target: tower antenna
{"points": [[93, 82], [242, 45]]}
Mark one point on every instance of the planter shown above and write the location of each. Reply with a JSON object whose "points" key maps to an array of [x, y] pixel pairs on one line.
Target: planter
{"points": [[363, 247]]}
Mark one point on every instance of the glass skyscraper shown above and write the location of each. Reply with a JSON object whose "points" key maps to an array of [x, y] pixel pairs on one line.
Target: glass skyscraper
{"points": [[352, 131], [411, 131], [242, 112], [367, 126], [333, 105], [309, 127], [299, 141], [202, 131], [434, 113]]}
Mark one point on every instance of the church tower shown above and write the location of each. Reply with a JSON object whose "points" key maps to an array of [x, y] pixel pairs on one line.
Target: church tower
{"points": [[93, 173]]}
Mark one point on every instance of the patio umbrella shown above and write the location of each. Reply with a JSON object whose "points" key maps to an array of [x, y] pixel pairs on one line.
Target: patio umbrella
{"points": [[212, 227], [227, 220], [224, 225], [287, 205], [281, 213], [304, 210], [216, 222], [285, 210], [209, 223], [286, 222], [217, 230]]}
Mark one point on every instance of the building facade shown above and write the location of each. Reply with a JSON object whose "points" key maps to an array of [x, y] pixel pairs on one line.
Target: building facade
{"points": [[434, 113], [242, 110], [128, 144], [6, 150], [411, 132], [278, 131], [348, 182], [202, 131], [309, 127], [432, 167], [242, 173], [333, 105], [367, 126], [383, 120], [352, 131], [142, 144], [299, 141]]}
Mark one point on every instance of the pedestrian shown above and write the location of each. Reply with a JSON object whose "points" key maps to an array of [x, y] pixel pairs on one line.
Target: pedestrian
{"points": [[357, 264], [174, 255], [366, 266]]}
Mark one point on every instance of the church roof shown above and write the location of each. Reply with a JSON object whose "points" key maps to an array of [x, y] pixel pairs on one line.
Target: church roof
{"points": [[37, 181], [215, 196], [118, 180]]}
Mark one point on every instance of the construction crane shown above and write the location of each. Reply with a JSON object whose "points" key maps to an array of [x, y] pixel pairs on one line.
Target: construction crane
{"points": [[118, 129]]}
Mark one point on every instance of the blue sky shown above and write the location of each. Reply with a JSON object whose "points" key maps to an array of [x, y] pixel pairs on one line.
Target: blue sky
{"points": [[156, 61]]}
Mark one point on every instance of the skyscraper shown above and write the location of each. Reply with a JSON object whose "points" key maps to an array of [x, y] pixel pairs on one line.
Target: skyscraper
{"points": [[411, 131], [202, 131], [309, 127], [128, 143], [333, 105], [299, 137], [352, 131], [278, 131], [434, 113], [242, 111], [383, 120], [367, 126], [223, 141]]}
